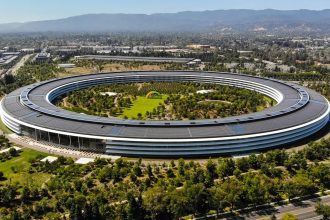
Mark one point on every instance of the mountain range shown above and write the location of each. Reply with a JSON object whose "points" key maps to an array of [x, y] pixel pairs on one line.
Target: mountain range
{"points": [[214, 21]]}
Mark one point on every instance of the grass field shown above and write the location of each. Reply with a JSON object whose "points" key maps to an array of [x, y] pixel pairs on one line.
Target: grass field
{"points": [[113, 67], [142, 105], [21, 166], [4, 128]]}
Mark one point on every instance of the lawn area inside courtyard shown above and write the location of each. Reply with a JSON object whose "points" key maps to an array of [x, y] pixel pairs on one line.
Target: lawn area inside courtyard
{"points": [[142, 105]]}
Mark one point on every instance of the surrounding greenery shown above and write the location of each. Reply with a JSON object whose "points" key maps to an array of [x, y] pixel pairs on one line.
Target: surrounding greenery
{"points": [[28, 74], [4, 142], [324, 210], [321, 87], [289, 216], [17, 169], [178, 101], [125, 189]]}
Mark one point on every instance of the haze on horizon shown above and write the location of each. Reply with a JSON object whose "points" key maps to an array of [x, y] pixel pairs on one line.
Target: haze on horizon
{"points": [[32, 10]]}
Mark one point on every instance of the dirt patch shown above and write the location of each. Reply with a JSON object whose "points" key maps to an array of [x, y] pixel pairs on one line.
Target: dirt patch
{"points": [[215, 101]]}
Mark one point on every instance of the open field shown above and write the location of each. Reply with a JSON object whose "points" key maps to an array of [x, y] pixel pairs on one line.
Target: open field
{"points": [[114, 67], [17, 169], [142, 105]]}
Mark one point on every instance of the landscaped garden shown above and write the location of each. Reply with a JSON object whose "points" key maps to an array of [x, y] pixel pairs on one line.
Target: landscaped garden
{"points": [[125, 189], [165, 101], [17, 168]]}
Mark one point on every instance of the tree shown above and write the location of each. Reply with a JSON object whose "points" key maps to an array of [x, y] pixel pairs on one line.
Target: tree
{"points": [[8, 79], [217, 200], [1, 175], [25, 195], [323, 209], [276, 156], [149, 171], [296, 162], [234, 191], [197, 198], [137, 170], [256, 188], [254, 162], [154, 202], [298, 186], [8, 194], [13, 152], [134, 209], [226, 167], [170, 173], [104, 174], [243, 164], [320, 174], [181, 167], [178, 204], [211, 168]]}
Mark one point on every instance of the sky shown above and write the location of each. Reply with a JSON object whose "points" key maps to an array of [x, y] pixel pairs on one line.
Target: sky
{"points": [[32, 10]]}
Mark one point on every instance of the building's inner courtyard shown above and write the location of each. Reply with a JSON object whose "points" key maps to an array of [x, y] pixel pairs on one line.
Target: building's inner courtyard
{"points": [[165, 101]]}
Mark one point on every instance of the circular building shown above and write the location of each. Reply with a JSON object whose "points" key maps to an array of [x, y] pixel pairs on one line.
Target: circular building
{"points": [[300, 112]]}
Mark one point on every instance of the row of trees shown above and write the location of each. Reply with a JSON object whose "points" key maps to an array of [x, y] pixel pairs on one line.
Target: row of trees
{"points": [[124, 189]]}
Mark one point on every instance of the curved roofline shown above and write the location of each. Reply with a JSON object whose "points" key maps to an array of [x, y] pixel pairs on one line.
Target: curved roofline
{"points": [[326, 114], [300, 107], [80, 82]]}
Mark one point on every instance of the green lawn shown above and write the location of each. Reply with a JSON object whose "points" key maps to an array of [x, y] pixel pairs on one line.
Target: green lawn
{"points": [[4, 128], [22, 165], [142, 105]]}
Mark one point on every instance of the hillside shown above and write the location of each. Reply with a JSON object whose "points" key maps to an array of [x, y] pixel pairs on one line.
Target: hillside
{"points": [[214, 21]]}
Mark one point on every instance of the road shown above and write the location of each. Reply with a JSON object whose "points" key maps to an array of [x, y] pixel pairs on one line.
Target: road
{"points": [[18, 65], [303, 210]]}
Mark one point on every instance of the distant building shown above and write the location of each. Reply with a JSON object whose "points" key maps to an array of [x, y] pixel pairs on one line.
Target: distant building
{"points": [[136, 59], [11, 54], [286, 68], [155, 48], [197, 61], [66, 65], [270, 66], [27, 50], [7, 59], [199, 46], [249, 66], [230, 65], [205, 91], [2, 51], [245, 51], [42, 57], [191, 64]]}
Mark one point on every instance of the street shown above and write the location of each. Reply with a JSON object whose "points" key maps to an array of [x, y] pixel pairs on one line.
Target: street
{"points": [[18, 65], [302, 210]]}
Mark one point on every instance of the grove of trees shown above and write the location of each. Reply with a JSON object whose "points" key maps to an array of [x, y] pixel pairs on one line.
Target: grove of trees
{"points": [[133, 189], [183, 101]]}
